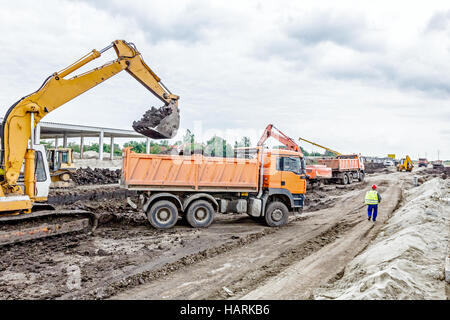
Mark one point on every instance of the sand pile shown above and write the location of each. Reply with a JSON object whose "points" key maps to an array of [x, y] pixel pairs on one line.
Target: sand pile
{"points": [[406, 259]]}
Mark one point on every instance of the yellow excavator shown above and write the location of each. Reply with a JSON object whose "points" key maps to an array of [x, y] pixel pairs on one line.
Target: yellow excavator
{"points": [[25, 199], [405, 164]]}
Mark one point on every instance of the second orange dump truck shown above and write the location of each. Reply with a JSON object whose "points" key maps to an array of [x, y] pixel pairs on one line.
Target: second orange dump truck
{"points": [[345, 168], [268, 186]]}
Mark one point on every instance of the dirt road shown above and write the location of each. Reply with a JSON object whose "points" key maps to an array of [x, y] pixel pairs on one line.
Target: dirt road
{"points": [[261, 269], [236, 257]]}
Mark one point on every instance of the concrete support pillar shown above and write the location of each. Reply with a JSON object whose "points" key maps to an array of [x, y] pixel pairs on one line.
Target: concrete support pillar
{"points": [[37, 134], [100, 145], [56, 142], [65, 140], [147, 146], [112, 148], [81, 147]]}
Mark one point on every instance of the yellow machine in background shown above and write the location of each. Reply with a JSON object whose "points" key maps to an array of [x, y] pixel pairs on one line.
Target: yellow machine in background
{"points": [[405, 164], [318, 145], [60, 164]]}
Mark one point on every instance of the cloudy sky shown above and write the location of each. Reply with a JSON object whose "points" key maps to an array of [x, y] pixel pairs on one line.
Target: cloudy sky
{"points": [[372, 78]]}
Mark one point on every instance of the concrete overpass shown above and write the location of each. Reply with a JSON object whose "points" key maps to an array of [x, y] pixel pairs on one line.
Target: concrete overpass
{"points": [[53, 130]]}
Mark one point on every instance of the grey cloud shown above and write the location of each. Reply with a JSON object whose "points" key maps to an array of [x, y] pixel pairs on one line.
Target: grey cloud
{"points": [[445, 132], [187, 26], [384, 73], [341, 29], [438, 21]]}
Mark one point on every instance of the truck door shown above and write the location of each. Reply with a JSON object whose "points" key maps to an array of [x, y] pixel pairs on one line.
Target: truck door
{"points": [[291, 180]]}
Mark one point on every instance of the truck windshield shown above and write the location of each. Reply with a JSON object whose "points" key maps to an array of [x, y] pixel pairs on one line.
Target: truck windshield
{"points": [[289, 164]]}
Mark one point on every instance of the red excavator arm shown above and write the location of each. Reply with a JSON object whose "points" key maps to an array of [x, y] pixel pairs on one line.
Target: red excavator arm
{"points": [[280, 136], [313, 172]]}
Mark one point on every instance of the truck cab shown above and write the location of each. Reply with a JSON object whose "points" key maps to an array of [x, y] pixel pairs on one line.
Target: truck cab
{"points": [[284, 177], [423, 162]]}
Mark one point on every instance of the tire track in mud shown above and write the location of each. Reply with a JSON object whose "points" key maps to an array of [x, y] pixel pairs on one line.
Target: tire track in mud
{"points": [[298, 280], [140, 275], [255, 278], [299, 240], [149, 272]]}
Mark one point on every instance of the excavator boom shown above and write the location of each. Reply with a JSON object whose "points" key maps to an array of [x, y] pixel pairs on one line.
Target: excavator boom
{"points": [[280, 136], [56, 90], [318, 145]]}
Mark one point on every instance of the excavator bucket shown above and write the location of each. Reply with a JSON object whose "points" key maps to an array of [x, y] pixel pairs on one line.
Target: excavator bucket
{"points": [[159, 123]]}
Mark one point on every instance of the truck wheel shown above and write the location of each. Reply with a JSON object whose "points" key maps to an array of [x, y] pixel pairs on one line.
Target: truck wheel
{"points": [[344, 179], [162, 214], [277, 214], [350, 178], [200, 214], [361, 176]]}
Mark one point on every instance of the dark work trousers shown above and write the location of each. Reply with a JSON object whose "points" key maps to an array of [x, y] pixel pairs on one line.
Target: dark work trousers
{"points": [[372, 211]]}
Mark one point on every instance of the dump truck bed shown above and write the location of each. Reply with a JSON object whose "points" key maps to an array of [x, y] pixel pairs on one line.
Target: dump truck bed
{"points": [[341, 164], [318, 171], [157, 172]]}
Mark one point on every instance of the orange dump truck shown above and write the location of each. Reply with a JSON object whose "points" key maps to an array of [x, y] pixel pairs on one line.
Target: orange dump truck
{"points": [[345, 168], [268, 186], [318, 172]]}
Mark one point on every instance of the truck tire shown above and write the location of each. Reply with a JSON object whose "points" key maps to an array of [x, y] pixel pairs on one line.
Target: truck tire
{"points": [[344, 179], [361, 176], [277, 214], [350, 177], [200, 214], [163, 214]]}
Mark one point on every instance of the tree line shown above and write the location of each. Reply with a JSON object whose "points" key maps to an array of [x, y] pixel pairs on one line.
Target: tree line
{"points": [[215, 147]]}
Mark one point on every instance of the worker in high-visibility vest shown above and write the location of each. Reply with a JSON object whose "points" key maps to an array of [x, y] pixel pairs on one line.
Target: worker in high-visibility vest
{"points": [[373, 198]]}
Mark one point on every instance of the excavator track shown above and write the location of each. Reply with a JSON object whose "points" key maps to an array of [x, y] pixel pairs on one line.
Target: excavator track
{"points": [[45, 223]]}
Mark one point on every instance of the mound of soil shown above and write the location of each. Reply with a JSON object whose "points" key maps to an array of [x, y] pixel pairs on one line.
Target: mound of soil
{"points": [[85, 176]]}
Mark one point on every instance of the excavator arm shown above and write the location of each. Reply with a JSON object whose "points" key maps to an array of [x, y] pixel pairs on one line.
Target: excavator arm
{"points": [[280, 136], [318, 145], [284, 139], [25, 114]]}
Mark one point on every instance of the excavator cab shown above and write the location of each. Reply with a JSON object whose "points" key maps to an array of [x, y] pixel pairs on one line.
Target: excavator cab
{"points": [[59, 158], [60, 164]]}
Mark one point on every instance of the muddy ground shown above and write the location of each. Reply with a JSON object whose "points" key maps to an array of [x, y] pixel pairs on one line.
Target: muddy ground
{"points": [[125, 258]]}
